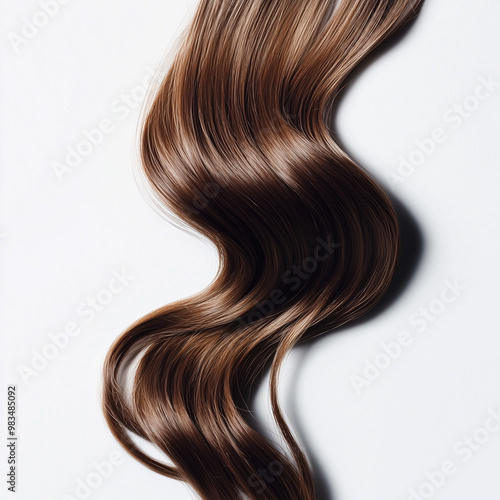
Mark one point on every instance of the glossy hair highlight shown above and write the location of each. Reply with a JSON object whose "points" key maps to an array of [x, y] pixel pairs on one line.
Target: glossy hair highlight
{"points": [[236, 145]]}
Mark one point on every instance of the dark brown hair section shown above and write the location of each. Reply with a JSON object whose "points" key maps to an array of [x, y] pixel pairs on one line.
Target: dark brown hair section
{"points": [[236, 145]]}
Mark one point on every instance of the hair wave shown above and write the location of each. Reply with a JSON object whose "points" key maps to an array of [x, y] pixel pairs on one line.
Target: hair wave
{"points": [[236, 145]]}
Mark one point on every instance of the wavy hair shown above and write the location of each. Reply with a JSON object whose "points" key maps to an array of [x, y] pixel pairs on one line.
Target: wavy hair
{"points": [[236, 145]]}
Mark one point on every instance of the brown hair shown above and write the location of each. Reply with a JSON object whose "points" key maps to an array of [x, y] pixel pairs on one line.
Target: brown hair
{"points": [[236, 145]]}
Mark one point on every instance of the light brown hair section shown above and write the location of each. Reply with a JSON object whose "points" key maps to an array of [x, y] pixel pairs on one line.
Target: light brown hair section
{"points": [[236, 145]]}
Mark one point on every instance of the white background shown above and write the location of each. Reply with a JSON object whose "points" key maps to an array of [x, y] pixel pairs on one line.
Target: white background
{"points": [[62, 239]]}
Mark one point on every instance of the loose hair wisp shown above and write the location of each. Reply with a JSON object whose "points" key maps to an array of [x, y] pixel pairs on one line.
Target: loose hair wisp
{"points": [[236, 145]]}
